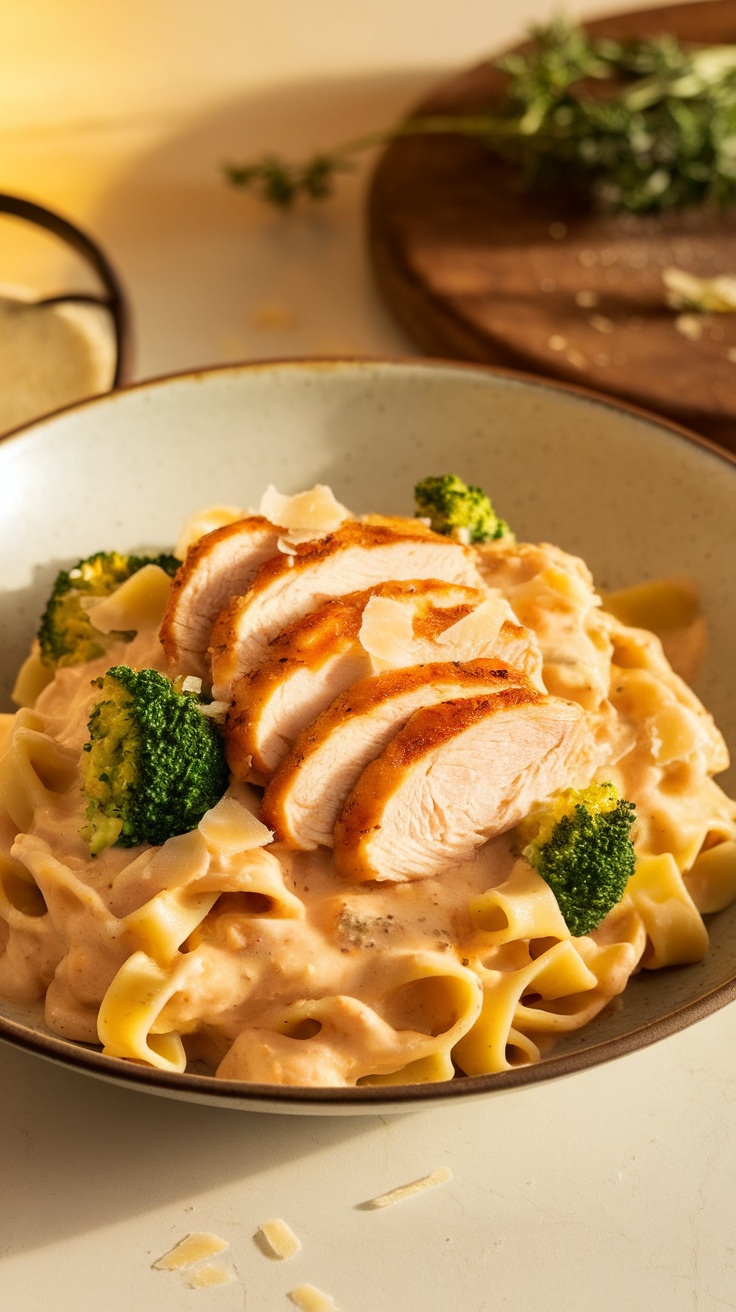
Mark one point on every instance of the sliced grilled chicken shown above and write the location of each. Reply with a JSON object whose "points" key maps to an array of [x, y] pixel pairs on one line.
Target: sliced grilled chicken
{"points": [[307, 793], [354, 557], [456, 775], [322, 654], [220, 565]]}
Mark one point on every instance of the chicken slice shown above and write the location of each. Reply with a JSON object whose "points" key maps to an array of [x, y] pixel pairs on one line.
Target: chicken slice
{"points": [[307, 793], [456, 775], [322, 654], [220, 565], [355, 556]]}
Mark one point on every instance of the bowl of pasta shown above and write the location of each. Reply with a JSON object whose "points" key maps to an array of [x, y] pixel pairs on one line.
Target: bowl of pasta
{"points": [[359, 734]]}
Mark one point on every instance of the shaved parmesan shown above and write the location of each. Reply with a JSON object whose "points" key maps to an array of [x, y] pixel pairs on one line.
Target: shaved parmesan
{"points": [[192, 1249], [229, 827], [205, 521], [440, 1176], [311, 1299], [280, 1238], [481, 625], [315, 511], [387, 631], [138, 603]]}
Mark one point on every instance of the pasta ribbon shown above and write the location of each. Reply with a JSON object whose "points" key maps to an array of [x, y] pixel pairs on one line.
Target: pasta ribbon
{"points": [[30, 949], [522, 907], [711, 880], [129, 1010], [33, 771], [20, 896], [557, 973], [7, 726], [164, 923], [433, 995], [33, 676], [675, 931]]}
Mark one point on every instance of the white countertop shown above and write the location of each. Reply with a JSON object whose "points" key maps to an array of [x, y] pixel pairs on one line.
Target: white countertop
{"points": [[611, 1189]]}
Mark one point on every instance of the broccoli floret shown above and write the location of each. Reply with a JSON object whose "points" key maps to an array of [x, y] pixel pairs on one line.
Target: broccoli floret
{"points": [[154, 763], [580, 843], [459, 510], [66, 635]]}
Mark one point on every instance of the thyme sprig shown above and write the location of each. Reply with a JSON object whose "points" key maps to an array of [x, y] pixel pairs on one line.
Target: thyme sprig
{"points": [[659, 134]]}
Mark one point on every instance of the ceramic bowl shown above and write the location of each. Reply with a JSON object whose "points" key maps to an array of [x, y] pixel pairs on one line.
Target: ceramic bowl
{"points": [[637, 498]]}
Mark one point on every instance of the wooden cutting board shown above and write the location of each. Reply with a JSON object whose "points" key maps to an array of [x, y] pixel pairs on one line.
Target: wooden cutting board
{"points": [[475, 269]]}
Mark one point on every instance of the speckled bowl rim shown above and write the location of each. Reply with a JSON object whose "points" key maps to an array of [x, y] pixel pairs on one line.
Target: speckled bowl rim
{"points": [[377, 1099]]}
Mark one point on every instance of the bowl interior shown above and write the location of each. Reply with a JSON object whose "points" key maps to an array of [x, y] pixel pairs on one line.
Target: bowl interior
{"points": [[636, 499]]}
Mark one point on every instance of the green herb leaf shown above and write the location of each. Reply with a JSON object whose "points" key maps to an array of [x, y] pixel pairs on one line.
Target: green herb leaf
{"points": [[662, 136]]}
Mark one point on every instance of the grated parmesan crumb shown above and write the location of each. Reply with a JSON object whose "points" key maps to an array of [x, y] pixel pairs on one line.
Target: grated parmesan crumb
{"points": [[193, 1248], [280, 1239], [273, 316], [689, 326], [440, 1176], [576, 358], [601, 323], [310, 1299], [214, 710]]}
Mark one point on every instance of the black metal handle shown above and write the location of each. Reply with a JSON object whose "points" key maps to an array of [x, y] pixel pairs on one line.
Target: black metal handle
{"points": [[113, 299]]}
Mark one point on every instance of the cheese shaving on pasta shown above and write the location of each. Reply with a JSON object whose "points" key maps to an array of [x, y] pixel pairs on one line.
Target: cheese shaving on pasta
{"points": [[138, 603]]}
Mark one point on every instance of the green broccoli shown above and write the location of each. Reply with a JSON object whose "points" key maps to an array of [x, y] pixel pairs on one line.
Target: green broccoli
{"points": [[580, 843], [66, 636], [154, 763], [459, 510]]}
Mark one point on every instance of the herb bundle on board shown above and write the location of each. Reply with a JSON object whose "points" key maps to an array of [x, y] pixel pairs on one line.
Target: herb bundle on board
{"points": [[639, 125]]}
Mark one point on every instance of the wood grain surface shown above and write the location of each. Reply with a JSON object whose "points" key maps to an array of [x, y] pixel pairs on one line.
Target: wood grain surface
{"points": [[476, 269]]}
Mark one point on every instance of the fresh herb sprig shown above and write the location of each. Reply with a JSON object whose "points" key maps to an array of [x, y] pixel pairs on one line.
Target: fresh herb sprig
{"points": [[660, 134]]}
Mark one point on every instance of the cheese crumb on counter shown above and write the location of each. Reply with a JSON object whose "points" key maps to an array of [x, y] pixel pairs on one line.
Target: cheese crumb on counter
{"points": [[279, 1239], [440, 1176], [192, 1249], [209, 1275], [310, 1299]]}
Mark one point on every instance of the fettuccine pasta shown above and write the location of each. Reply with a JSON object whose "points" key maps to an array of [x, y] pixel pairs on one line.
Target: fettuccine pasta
{"points": [[239, 947]]}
